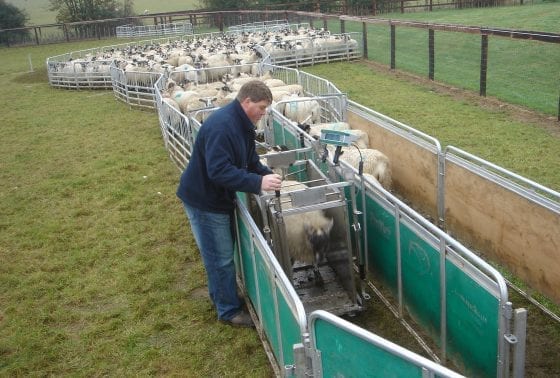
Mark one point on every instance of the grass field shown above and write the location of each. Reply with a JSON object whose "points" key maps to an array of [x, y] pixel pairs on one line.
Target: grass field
{"points": [[99, 273]]}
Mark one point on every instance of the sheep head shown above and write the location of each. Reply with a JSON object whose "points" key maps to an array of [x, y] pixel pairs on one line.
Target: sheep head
{"points": [[318, 236]]}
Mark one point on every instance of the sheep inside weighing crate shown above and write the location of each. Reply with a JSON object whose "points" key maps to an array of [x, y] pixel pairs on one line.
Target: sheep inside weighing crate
{"points": [[307, 234]]}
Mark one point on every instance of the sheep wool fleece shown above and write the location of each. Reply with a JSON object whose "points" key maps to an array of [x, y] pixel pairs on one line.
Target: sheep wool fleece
{"points": [[223, 162]]}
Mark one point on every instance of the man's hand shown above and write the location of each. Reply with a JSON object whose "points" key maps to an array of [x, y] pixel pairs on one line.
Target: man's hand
{"points": [[271, 182]]}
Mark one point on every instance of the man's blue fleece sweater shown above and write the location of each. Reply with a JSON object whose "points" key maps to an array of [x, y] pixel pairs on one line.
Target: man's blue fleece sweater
{"points": [[223, 161]]}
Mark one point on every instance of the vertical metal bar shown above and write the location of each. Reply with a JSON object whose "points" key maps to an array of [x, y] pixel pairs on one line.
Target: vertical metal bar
{"points": [[393, 47], [364, 37], [399, 259], [483, 64], [282, 361], [520, 332], [441, 190], [431, 53], [503, 345], [443, 299]]}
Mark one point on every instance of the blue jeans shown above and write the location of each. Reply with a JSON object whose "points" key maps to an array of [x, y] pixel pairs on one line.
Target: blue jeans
{"points": [[213, 235]]}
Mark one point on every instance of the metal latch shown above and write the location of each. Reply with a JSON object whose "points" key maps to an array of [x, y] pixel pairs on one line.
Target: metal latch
{"points": [[511, 338]]}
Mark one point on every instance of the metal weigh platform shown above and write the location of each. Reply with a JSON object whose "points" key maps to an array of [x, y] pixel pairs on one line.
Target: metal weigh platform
{"points": [[337, 292]]}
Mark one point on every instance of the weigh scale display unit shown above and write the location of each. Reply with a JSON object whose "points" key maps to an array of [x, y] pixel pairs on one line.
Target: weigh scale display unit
{"points": [[339, 139]]}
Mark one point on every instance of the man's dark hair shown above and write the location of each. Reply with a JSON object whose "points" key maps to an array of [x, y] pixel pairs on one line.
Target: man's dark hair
{"points": [[256, 91]]}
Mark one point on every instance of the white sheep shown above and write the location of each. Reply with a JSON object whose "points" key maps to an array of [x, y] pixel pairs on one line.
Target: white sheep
{"points": [[308, 233], [302, 110], [376, 163]]}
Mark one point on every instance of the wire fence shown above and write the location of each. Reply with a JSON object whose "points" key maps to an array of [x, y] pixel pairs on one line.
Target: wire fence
{"points": [[517, 67]]}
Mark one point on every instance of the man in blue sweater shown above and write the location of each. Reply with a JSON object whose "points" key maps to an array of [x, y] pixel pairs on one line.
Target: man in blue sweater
{"points": [[224, 161]]}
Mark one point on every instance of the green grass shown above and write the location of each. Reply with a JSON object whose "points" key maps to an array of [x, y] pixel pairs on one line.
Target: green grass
{"points": [[541, 16], [492, 134], [99, 274]]}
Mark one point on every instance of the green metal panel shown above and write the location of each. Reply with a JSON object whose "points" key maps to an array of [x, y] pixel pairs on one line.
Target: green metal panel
{"points": [[472, 310], [261, 289], [258, 284], [472, 323], [421, 280], [246, 242], [346, 355], [268, 307], [290, 329], [285, 138], [382, 247]]}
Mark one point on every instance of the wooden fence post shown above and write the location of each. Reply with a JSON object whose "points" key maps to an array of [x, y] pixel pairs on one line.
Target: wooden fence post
{"points": [[36, 36], [431, 53], [65, 29], [559, 108], [393, 47], [342, 26], [364, 37], [483, 63]]}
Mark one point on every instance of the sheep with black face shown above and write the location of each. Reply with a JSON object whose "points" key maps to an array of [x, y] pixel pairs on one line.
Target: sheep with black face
{"points": [[307, 234]]}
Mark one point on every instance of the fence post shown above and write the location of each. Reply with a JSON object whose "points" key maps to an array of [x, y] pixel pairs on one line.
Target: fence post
{"points": [[36, 36], [342, 27], [393, 65], [364, 37], [431, 53], [325, 25], [65, 29], [558, 107], [483, 64]]}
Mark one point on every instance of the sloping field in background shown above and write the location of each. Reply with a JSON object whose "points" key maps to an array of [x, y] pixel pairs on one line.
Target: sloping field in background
{"points": [[39, 13], [535, 17]]}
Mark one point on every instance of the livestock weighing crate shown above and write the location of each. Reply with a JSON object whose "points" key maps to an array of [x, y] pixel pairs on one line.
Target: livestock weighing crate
{"points": [[333, 288]]}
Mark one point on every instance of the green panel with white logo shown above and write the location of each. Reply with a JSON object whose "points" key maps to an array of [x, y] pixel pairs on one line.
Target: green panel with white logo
{"points": [[472, 323]]}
